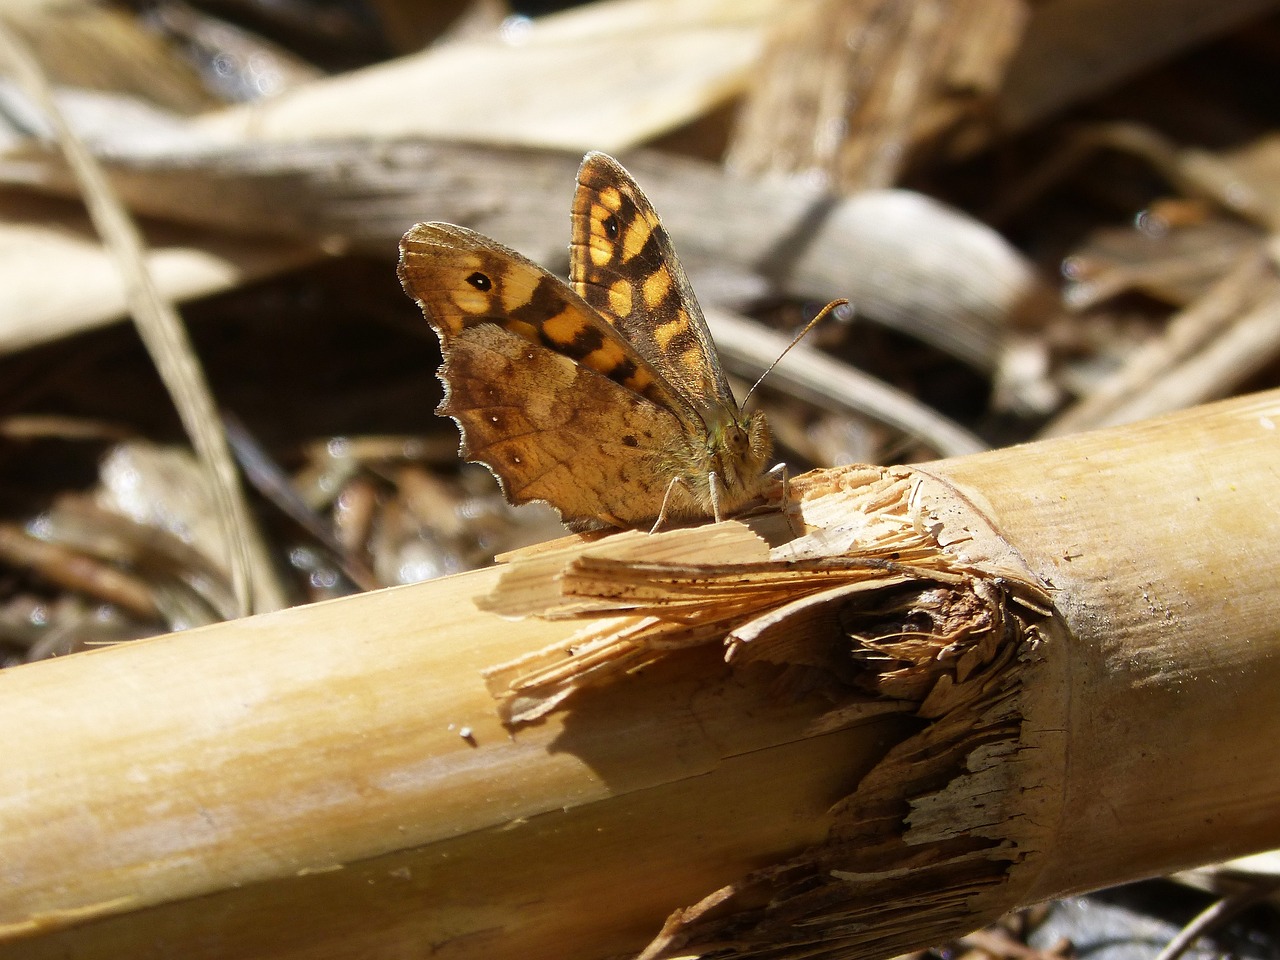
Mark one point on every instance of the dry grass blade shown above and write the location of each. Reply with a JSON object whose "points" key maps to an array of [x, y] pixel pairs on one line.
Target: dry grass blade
{"points": [[48, 239], [1214, 916], [1245, 347], [1231, 182], [90, 46], [1206, 349], [653, 66], [74, 571], [812, 375], [901, 258], [274, 484], [162, 331]]}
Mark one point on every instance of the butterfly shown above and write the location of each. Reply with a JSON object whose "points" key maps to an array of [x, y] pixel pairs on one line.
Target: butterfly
{"points": [[603, 397]]}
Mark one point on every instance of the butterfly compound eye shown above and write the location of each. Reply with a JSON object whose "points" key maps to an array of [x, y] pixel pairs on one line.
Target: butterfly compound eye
{"points": [[611, 227], [480, 282]]}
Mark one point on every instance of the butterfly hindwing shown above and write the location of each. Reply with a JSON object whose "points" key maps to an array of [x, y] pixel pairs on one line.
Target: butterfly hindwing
{"points": [[578, 441], [621, 261]]}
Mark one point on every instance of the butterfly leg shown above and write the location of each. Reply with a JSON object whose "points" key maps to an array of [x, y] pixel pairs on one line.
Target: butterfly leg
{"points": [[666, 502], [779, 472], [714, 485]]}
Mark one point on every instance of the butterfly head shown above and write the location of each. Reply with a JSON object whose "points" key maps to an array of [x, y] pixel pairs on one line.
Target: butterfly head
{"points": [[738, 448]]}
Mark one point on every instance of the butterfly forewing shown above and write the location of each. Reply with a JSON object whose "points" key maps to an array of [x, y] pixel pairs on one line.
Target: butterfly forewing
{"points": [[621, 261], [461, 279]]}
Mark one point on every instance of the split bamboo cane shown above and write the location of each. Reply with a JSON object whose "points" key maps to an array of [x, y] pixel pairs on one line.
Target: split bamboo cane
{"points": [[950, 690]]}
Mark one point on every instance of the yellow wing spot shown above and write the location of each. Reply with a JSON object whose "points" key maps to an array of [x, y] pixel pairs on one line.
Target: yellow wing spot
{"points": [[639, 381], [620, 298], [664, 333], [514, 296], [605, 358], [470, 300], [634, 239], [691, 359], [611, 197], [526, 331], [562, 327], [599, 214], [600, 250], [656, 286]]}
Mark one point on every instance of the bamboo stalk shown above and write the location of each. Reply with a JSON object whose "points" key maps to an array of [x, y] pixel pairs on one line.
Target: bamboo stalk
{"points": [[971, 685], [1157, 541]]}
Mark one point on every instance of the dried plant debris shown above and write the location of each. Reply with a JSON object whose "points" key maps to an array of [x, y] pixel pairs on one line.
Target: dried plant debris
{"points": [[852, 91], [1204, 252], [1153, 920], [144, 549], [387, 502], [141, 554], [234, 64], [906, 608]]}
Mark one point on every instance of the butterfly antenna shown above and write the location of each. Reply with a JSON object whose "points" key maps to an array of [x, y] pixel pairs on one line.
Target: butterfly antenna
{"points": [[798, 337]]}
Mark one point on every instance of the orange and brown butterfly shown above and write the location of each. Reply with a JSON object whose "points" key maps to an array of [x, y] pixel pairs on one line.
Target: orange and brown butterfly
{"points": [[605, 398]]}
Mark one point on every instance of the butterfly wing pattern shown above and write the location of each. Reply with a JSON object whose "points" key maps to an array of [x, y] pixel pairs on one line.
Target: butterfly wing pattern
{"points": [[621, 261], [606, 400]]}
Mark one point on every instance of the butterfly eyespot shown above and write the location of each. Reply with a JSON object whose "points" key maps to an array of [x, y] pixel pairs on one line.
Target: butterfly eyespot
{"points": [[480, 282], [611, 227]]}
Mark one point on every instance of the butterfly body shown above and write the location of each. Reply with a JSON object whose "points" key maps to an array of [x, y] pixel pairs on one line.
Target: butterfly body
{"points": [[604, 397]]}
